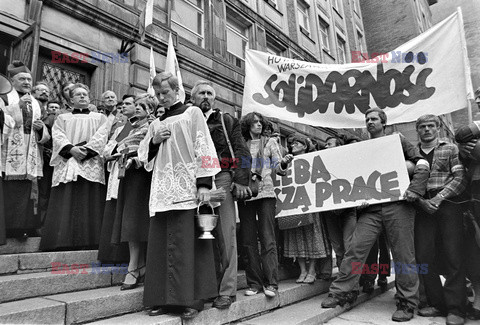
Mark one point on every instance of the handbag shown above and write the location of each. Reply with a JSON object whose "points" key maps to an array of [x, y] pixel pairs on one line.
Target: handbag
{"points": [[295, 221], [255, 179]]}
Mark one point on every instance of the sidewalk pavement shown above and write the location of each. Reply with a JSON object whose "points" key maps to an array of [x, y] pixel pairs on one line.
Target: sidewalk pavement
{"points": [[379, 310]]}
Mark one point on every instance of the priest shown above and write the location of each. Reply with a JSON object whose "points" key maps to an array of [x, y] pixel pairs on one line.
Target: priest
{"points": [[180, 267], [77, 199], [21, 156]]}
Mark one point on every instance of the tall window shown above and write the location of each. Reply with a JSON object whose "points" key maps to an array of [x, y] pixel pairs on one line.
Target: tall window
{"points": [[274, 48], [360, 40], [237, 40], [341, 50], [187, 20], [324, 34], [303, 18]]}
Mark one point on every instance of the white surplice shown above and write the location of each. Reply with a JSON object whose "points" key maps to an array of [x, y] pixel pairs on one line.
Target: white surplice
{"points": [[71, 129], [178, 162]]}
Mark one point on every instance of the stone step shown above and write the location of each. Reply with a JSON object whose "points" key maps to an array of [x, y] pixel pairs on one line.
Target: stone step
{"points": [[42, 261], [46, 281], [310, 311], [18, 246], [32, 311], [21, 286], [289, 292], [97, 305]]}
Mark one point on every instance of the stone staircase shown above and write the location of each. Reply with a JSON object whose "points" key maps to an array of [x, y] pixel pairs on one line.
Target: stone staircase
{"points": [[31, 292]]}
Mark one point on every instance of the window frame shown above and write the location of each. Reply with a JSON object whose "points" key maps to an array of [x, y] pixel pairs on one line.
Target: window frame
{"points": [[323, 24], [343, 49], [306, 18], [201, 11]]}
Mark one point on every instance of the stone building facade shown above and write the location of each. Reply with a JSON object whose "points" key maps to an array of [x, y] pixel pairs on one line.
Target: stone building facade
{"points": [[82, 41]]}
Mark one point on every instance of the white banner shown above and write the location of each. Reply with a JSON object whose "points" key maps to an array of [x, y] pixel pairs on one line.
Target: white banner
{"points": [[427, 75], [372, 171]]}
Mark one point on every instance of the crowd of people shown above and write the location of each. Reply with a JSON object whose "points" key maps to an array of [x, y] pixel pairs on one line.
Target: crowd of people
{"points": [[129, 176]]}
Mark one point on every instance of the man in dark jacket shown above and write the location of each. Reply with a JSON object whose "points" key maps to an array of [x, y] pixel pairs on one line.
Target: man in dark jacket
{"points": [[234, 178]]}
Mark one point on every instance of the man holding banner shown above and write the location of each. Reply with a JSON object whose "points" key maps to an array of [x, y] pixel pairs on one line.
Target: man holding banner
{"points": [[398, 220]]}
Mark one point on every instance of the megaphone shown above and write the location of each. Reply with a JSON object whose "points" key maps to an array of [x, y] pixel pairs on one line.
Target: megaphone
{"points": [[5, 85]]}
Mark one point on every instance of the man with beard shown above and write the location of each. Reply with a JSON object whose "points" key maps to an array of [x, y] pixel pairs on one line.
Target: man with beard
{"points": [[233, 179], [21, 154], [41, 94]]}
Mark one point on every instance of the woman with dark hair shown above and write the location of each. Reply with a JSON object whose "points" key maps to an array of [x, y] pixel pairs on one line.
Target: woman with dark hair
{"points": [[309, 240], [132, 217], [261, 272]]}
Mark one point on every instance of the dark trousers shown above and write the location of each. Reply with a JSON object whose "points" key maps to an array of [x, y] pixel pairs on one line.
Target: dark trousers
{"points": [[472, 247], [446, 225], [381, 247], [226, 240], [261, 269], [340, 228], [44, 187], [398, 219]]}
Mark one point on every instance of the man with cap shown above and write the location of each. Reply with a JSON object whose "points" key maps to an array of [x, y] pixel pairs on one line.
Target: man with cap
{"points": [[231, 177], [21, 154]]}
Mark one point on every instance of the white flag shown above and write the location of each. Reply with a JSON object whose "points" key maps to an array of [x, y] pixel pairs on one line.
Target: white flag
{"points": [[153, 73], [172, 67], [149, 13]]}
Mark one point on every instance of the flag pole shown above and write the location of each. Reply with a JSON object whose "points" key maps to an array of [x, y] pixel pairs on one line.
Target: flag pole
{"points": [[152, 72], [468, 78], [172, 66]]}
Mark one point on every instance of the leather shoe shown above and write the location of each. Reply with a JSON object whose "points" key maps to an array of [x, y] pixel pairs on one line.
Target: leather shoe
{"points": [[430, 312], [403, 313], [383, 284], [473, 313], [189, 313], [453, 319], [155, 311], [368, 286], [223, 302], [332, 301]]}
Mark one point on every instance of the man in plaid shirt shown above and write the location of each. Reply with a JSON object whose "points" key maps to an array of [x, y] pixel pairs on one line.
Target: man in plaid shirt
{"points": [[440, 220]]}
